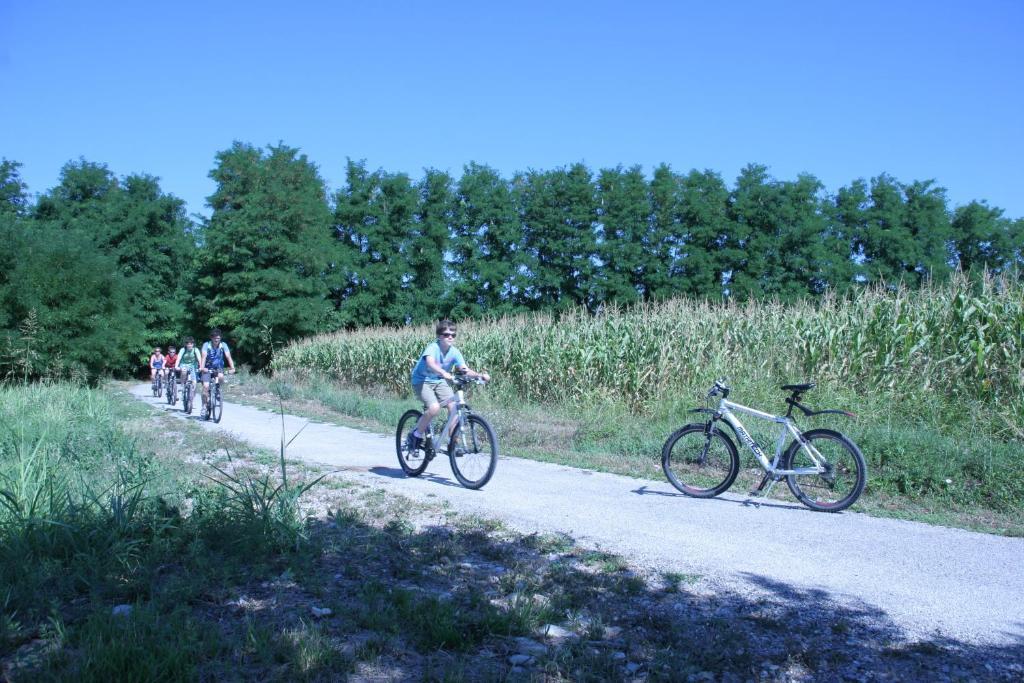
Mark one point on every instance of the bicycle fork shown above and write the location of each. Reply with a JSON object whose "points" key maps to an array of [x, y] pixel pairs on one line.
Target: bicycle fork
{"points": [[770, 478]]}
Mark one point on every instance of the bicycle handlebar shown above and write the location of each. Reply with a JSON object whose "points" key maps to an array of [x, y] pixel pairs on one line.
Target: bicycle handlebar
{"points": [[720, 387], [466, 380]]}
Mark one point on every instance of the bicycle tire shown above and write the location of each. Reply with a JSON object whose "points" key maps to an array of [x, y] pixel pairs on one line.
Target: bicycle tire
{"points": [[159, 386], [412, 462], [216, 402], [186, 399], [473, 452], [846, 467], [696, 470], [172, 391]]}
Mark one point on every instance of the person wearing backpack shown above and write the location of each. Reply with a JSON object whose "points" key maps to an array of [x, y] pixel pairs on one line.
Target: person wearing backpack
{"points": [[211, 364]]}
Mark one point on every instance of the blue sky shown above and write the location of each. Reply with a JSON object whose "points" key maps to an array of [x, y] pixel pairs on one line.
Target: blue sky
{"points": [[842, 90]]}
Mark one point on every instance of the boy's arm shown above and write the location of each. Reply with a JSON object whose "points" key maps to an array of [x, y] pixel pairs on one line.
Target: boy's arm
{"points": [[463, 367], [231, 361], [473, 374], [436, 368], [202, 361]]}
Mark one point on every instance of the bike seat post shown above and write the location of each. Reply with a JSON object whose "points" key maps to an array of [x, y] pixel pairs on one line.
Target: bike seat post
{"points": [[789, 402]]}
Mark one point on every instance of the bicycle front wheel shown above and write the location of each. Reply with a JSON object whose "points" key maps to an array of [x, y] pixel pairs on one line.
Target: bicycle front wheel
{"points": [[412, 460], [186, 399], [473, 452], [216, 402], [844, 476], [698, 464]]}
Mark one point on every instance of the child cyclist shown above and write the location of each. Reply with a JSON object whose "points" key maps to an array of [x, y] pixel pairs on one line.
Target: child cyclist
{"points": [[435, 365], [188, 361], [156, 363], [211, 364], [170, 359]]}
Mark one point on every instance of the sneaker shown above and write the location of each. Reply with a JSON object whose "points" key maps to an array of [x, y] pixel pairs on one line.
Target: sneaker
{"points": [[413, 442]]}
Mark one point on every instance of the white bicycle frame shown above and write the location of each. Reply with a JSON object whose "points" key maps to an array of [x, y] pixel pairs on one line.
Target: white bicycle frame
{"points": [[725, 410], [454, 406]]}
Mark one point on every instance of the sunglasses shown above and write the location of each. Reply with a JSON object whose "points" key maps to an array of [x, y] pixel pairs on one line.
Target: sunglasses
{"points": [[448, 334]]}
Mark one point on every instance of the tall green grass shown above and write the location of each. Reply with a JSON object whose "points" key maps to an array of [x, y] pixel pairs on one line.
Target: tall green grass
{"points": [[92, 515], [936, 374]]}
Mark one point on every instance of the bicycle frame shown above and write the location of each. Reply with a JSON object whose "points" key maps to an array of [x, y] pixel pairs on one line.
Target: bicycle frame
{"points": [[456, 406], [788, 427]]}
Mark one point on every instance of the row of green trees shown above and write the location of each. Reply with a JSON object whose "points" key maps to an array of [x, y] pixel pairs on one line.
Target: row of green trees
{"points": [[100, 267]]}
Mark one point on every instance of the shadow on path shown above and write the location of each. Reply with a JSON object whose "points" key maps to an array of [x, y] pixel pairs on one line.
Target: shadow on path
{"points": [[455, 601]]}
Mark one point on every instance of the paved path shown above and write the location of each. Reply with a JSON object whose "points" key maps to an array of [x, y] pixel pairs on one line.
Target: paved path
{"points": [[927, 580]]}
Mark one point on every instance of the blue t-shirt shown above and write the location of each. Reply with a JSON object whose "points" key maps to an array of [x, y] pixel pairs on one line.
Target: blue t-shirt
{"points": [[215, 357], [453, 359]]}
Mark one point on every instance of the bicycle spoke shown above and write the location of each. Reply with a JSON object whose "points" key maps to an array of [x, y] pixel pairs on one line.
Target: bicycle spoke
{"points": [[842, 476], [474, 453], [699, 464]]}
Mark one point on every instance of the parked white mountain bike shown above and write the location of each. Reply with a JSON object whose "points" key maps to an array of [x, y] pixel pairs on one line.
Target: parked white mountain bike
{"points": [[823, 468]]}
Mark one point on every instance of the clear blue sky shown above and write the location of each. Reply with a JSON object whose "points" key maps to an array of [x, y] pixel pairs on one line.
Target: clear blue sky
{"points": [[842, 90]]}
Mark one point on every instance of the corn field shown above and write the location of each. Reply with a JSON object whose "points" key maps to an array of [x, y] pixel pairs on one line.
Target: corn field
{"points": [[960, 338]]}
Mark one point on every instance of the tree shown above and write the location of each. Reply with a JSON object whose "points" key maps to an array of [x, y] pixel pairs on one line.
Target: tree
{"points": [[488, 258], [13, 192], [624, 236], [904, 233], [434, 214], [558, 210], [145, 230], [666, 233], [983, 238], [152, 238], [74, 292], [930, 231], [700, 259], [265, 249], [374, 223], [788, 249]]}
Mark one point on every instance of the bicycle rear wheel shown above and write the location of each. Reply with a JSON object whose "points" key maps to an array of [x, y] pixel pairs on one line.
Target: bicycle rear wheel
{"points": [[473, 452], [843, 480], [216, 402], [413, 461], [698, 464]]}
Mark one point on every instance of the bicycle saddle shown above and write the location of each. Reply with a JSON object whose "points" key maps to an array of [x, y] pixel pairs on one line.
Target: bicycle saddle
{"points": [[799, 388]]}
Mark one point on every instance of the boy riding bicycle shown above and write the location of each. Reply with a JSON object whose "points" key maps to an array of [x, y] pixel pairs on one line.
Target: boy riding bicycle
{"points": [[188, 361], [211, 364], [429, 377], [170, 358]]}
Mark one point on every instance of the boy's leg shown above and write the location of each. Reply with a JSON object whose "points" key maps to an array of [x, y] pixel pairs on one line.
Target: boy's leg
{"points": [[206, 387], [441, 396], [431, 407]]}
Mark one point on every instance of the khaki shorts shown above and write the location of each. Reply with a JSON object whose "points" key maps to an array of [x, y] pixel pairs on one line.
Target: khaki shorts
{"points": [[432, 392]]}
